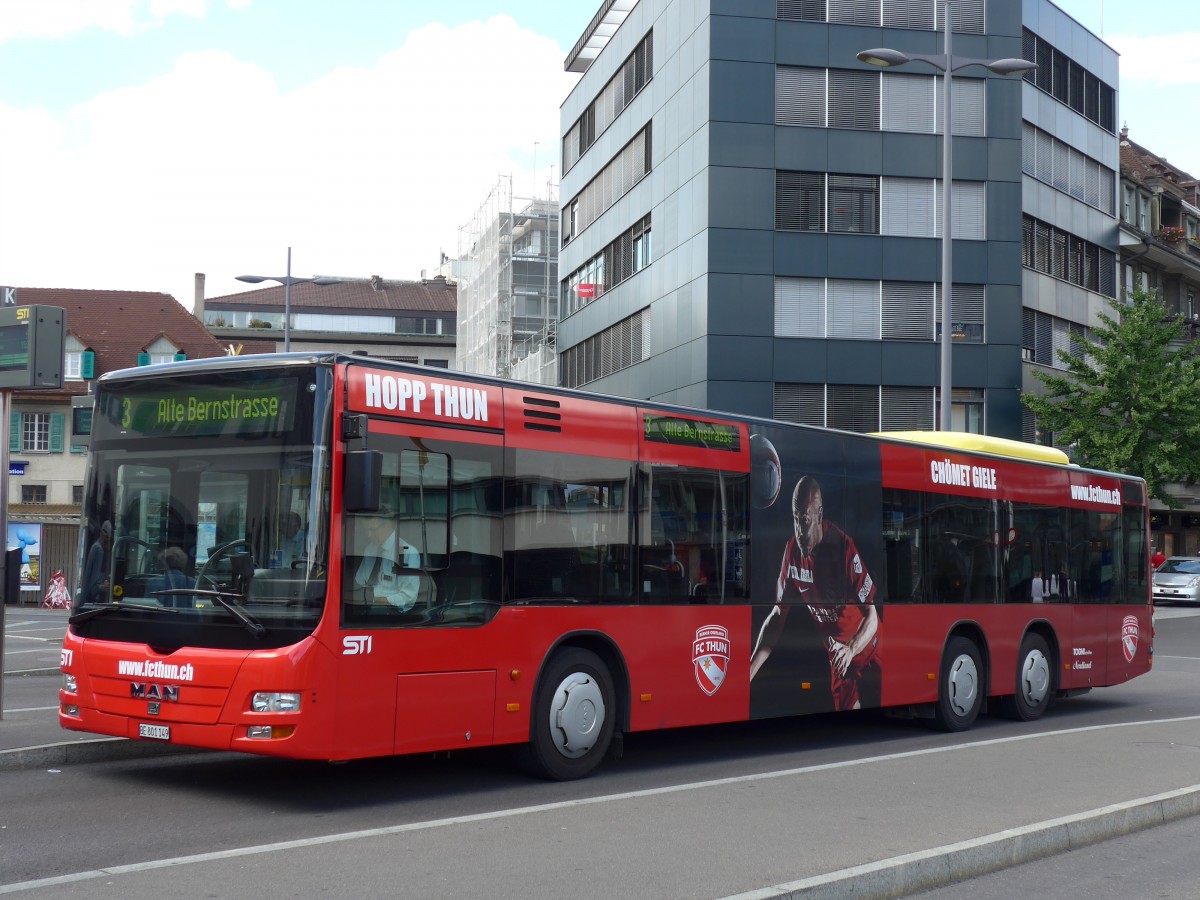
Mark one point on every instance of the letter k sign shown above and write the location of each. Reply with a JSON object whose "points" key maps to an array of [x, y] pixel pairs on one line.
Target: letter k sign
{"points": [[10, 296]]}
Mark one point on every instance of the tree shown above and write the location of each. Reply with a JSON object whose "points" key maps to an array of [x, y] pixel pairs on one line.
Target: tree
{"points": [[1129, 400]]}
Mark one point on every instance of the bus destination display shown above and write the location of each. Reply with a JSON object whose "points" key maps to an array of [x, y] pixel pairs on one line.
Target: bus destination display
{"points": [[198, 411], [691, 433]]}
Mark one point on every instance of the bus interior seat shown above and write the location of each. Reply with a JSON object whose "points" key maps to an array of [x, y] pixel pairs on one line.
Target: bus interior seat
{"points": [[663, 578]]}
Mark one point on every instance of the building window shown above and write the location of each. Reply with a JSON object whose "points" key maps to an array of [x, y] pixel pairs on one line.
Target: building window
{"points": [[35, 432], [77, 494], [1045, 248], [854, 204], [634, 74], [800, 201], [867, 408], [613, 182], [622, 259], [615, 348], [73, 364], [872, 310], [438, 363], [1069, 82], [33, 493]]}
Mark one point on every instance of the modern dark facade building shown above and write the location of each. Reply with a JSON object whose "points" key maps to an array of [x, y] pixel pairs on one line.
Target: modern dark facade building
{"points": [[751, 216]]}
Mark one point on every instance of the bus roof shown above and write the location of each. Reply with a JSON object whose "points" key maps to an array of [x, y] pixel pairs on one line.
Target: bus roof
{"points": [[980, 443]]}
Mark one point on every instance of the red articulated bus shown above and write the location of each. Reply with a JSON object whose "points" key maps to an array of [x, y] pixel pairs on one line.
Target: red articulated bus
{"points": [[325, 556]]}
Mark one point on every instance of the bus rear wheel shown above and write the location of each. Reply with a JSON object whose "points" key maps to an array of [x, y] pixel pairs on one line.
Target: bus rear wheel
{"points": [[960, 688], [573, 717], [1035, 681]]}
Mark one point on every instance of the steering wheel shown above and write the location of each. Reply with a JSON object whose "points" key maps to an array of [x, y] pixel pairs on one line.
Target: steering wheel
{"points": [[207, 571]]}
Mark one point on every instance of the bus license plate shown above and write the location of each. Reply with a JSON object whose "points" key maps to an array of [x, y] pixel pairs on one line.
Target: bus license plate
{"points": [[156, 732]]}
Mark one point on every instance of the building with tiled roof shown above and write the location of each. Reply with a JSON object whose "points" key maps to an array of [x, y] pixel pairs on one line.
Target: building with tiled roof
{"points": [[104, 331], [411, 321], [1160, 251]]}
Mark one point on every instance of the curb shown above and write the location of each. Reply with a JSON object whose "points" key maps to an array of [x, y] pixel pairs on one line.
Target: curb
{"points": [[79, 752], [901, 876]]}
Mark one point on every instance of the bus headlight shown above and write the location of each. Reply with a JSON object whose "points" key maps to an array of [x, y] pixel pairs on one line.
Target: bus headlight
{"points": [[275, 701], [69, 683]]}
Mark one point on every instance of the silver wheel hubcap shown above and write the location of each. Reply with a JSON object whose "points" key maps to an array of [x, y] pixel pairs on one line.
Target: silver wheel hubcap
{"points": [[1035, 677], [963, 686], [576, 715]]}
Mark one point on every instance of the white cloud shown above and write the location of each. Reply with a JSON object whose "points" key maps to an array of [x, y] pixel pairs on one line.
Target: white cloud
{"points": [[209, 168], [60, 18], [1168, 59]]}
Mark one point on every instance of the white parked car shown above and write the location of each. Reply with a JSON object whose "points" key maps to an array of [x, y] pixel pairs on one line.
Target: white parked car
{"points": [[1178, 580]]}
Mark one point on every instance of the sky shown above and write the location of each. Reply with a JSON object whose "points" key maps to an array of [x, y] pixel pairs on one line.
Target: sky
{"points": [[142, 141]]}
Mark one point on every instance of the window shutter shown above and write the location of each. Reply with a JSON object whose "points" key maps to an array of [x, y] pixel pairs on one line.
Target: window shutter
{"points": [[15, 437], [907, 207], [970, 210], [809, 10], [908, 103], [180, 356], [906, 408], [1062, 167], [968, 16], [800, 201], [970, 107], [87, 364], [853, 309], [853, 407], [800, 307], [908, 310], [853, 99], [803, 403], [909, 14], [143, 359], [57, 425], [853, 12], [799, 96]]}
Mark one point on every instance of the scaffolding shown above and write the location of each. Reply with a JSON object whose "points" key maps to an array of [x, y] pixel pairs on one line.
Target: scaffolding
{"points": [[507, 297]]}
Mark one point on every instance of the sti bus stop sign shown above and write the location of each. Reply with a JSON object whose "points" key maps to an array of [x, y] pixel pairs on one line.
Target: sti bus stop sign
{"points": [[31, 347]]}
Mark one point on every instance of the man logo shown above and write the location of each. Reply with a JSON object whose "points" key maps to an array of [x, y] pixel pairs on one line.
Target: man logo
{"points": [[142, 691], [710, 657], [354, 644]]}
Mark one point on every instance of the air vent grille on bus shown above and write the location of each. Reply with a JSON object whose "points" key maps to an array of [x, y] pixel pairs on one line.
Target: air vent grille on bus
{"points": [[546, 418]]}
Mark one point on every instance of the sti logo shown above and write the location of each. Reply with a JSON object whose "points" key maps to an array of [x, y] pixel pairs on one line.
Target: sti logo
{"points": [[354, 644]]}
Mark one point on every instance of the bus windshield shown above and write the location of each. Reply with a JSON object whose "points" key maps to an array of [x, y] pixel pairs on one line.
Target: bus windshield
{"points": [[206, 509]]}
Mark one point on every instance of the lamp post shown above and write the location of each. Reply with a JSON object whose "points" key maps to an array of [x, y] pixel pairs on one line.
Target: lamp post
{"points": [[948, 64], [287, 281]]}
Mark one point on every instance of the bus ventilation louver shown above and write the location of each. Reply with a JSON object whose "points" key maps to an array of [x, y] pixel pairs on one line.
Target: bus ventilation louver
{"points": [[542, 415]]}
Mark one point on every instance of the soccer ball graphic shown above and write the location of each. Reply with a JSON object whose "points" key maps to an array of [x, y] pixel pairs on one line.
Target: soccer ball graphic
{"points": [[765, 473]]}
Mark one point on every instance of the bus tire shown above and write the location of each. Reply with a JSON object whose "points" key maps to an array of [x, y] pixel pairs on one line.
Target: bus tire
{"points": [[574, 715], [960, 687], [1035, 681]]}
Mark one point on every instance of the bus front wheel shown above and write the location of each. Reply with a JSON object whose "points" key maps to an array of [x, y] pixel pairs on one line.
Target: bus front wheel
{"points": [[960, 688], [573, 716], [1035, 681]]}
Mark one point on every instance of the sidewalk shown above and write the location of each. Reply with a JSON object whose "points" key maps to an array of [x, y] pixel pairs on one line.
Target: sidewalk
{"points": [[30, 736]]}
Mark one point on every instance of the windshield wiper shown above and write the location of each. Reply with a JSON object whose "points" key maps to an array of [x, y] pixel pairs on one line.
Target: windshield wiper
{"points": [[93, 613], [252, 626]]}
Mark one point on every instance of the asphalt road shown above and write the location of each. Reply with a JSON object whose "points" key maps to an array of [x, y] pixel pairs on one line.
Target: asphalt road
{"points": [[761, 809]]}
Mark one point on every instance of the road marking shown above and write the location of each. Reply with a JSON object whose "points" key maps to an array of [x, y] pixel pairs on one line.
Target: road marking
{"points": [[31, 709], [258, 849]]}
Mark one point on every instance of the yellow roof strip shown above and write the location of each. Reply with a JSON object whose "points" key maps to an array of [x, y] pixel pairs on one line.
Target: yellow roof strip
{"points": [[979, 443]]}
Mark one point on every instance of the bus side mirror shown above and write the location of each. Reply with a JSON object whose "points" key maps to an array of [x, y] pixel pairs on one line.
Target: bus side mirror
{"points": [[362, 477]]}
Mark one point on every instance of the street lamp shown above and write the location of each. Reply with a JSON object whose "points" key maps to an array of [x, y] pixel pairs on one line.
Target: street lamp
{"points": [[947, 63], [287, 281]]}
